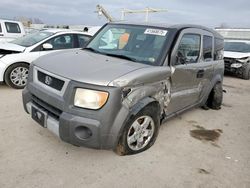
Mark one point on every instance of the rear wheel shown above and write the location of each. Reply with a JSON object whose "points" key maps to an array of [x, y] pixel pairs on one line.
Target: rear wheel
{"points": [[216, 96], [16, 75], [139, 133]]}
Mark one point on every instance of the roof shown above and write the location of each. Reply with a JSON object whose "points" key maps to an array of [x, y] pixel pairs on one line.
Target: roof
{"points": [[174, 26], [65, 31], [6, 20]]}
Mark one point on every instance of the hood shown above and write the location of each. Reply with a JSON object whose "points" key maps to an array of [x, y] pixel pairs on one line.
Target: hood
{"points": [[9, 48], [235, 55], [87, 67]]}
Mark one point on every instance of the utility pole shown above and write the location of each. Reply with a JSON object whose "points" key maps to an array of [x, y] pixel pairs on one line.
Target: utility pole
{"points": [[146, 11], [101, 11]]}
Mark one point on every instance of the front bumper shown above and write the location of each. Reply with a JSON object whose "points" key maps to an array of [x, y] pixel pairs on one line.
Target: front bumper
{"points": [[233, 66], [2, 70], [82, 127], [72, 129]]}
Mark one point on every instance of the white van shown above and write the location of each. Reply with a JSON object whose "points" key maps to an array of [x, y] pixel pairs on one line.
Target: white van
{"points": [[10, 30]]}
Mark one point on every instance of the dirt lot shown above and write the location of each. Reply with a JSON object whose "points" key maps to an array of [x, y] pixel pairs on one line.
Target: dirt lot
{"points": [[31, 156]]}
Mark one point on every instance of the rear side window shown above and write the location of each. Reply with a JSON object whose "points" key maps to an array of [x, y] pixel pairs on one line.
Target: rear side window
{"points": [[12, 27], [207, 48], [83, 40], [218, 48], [189, 49], [0, 28]]}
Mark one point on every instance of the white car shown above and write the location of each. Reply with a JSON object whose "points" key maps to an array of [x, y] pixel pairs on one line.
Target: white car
{"points": [[237, 57], [10, 30], [15, 56]]}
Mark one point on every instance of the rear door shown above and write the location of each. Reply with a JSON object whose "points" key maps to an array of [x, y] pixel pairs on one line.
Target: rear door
{"points": [[187, 70], [206, 63]]}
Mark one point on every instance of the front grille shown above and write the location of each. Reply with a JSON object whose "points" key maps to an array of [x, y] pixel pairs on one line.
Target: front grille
{"points": [[50, 81], [228, 62], [51, 110]]}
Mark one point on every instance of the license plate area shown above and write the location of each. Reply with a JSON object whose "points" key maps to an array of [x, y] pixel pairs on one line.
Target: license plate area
{"points": [[39, 116]]}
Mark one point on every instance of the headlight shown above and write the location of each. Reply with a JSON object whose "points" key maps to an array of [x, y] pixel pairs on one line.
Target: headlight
{"points": [[91, 99], [243, 60]]}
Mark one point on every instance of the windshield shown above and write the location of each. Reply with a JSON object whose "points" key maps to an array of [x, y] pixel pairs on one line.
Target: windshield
{"points": [[237, 47], [32, 39], [136, 43]]}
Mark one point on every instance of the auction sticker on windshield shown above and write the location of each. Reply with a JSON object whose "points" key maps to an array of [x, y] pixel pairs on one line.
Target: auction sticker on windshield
{"points": [[159, 32]]}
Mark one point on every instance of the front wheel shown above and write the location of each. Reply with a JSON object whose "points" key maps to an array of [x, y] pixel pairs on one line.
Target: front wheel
{"points": [[246, 72], [139, 133], [16, 75]]}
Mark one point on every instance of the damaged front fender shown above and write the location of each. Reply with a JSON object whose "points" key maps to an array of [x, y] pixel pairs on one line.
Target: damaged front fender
{"points": [[4, 52], [148, 83]]}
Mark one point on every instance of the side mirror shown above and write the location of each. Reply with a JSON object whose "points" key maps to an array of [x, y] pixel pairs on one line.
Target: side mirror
{"points": [[47, 46]]}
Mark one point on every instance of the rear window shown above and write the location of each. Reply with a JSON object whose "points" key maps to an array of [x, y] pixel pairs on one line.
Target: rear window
{"points": [[207, 48], [12, 27]]}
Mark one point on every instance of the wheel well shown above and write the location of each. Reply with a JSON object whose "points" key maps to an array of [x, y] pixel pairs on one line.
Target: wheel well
{"points": [[155, 105], [13, 65], [209, 99], [146, 104]]}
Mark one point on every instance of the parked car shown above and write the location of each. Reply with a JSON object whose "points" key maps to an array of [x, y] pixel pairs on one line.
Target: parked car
{"points": [[16, 55], [10, 30], [116, 97], [237, 58]]}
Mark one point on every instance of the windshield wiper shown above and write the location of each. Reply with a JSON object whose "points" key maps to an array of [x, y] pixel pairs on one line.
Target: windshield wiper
{"points": [[91, 49], [112, 55], [122, 57]]}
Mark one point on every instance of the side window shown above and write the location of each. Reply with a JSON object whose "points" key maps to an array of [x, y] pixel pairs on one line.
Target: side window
{"points": [[62, 42], [189, 49], [0, 28], [83, 40], [218, 49], [12, 27], [207, 48]]}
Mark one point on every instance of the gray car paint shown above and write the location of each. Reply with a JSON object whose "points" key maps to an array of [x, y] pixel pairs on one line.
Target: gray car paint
{"points": [[173, 88], [186, 88], [87, 67]]}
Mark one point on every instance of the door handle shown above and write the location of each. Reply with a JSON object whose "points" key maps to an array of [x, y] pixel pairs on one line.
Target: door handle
{"points": [[1, 35], [200, 73]]}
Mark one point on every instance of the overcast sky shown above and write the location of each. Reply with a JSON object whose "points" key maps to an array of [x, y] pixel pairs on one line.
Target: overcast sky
{"points": [[212, 13]]}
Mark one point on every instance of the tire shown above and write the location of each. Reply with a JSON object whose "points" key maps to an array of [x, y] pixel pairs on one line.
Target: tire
{"points": [[246, 72], [215, 97], [16, 75], [148, 114]]}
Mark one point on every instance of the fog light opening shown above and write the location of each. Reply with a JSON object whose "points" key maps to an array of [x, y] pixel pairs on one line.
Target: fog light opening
{"points": [[83, 132]]}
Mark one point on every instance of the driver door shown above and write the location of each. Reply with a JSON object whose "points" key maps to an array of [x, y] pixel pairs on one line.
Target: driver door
{"points": [[59, 43]]}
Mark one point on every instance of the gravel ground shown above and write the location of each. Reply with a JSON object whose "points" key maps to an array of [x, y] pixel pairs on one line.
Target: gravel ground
{"points": [[31, 156]]}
